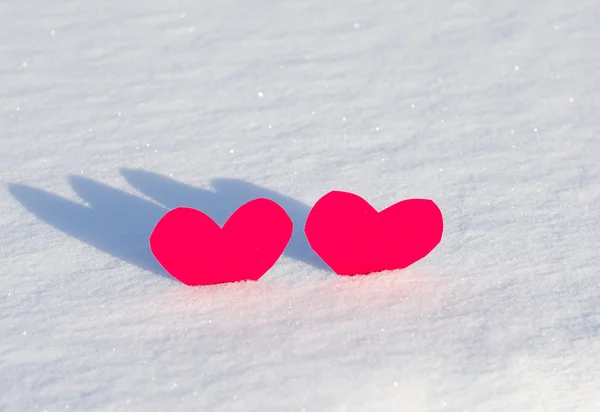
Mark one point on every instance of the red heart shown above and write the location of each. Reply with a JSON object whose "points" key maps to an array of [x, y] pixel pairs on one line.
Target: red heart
{"points": [[196, 251], [353, 238]]}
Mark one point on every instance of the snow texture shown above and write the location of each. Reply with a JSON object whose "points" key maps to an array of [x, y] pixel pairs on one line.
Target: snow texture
{"points": [[112, 112]]}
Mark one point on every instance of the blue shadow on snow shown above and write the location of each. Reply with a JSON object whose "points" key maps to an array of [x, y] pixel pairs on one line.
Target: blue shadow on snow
{"points": [[119, 223]]}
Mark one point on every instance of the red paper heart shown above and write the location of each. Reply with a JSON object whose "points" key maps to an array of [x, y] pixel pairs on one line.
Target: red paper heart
{"points": [[196, 251], [353, 238]]}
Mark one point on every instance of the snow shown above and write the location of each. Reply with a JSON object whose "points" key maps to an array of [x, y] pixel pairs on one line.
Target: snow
{"points": [[113, 112]]}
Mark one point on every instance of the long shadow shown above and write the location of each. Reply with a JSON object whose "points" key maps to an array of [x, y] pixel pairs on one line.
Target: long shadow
{"points": [[115, 222], [120, 224]]}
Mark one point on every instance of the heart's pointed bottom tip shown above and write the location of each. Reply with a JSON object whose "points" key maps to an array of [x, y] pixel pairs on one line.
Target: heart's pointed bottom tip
{"points": [[193, 285], [376, 272]]}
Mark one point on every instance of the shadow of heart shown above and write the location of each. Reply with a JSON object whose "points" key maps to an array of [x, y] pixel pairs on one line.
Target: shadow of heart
{"points": [[120, 224]]}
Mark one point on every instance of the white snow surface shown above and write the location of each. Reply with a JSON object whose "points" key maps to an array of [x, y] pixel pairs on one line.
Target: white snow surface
{"points": [[113, 112]]}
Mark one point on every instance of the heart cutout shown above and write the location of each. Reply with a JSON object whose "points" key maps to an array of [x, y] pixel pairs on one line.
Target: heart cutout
{"points": [[194, 249], [353, 238]]}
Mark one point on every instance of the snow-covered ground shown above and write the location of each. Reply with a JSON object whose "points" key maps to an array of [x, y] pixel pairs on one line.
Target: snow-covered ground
{"points": [[112, 112]]}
